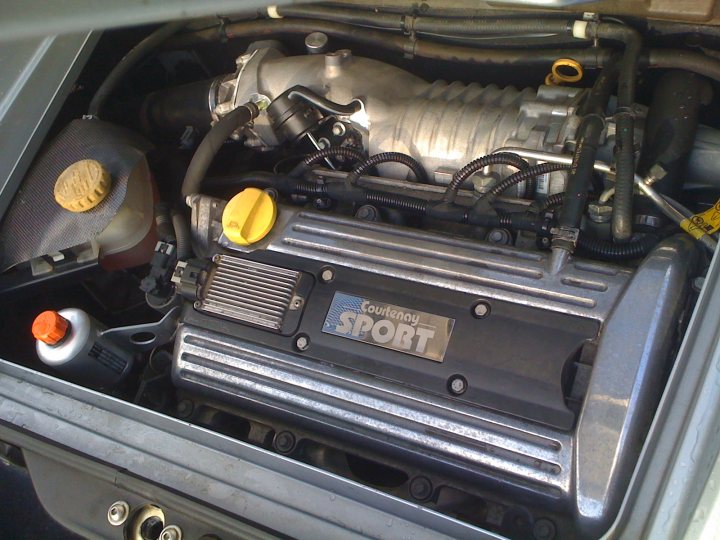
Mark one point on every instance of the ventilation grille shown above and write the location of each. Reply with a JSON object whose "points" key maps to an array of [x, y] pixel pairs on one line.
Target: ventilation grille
{"points": [[250, 292]]}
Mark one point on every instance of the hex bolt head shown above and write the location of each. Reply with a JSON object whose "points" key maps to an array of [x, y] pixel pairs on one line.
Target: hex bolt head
{"points": [[338, 129], [327, 274], [544, 529], [302, 342], [457, 385], [367, 212], [151, 528], [185, 408], [421, 488], [284, 442], [481, 310], [118, 513], [171, 532]]}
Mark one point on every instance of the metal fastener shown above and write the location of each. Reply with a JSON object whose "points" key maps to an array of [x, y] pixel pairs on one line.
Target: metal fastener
{"points": [[302, 342], [118, 513], [338, 129], [599, 213], [367, 212], [457, 384], [185, 408], [544, 529], [284, 442], [499, 236], [481, 310], [421, 488], [698, 283], [171, 532], [327, 275]]}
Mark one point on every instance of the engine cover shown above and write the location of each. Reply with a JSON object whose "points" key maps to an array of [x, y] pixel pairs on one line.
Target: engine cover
{"points": [[552, 391]]}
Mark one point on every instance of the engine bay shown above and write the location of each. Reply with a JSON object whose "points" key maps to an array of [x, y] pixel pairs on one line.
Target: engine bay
{"points": [[449, 257]]}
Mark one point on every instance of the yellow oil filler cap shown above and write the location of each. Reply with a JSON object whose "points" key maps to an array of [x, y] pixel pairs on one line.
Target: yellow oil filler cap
{"points": [[82, 186], [249, 216]]}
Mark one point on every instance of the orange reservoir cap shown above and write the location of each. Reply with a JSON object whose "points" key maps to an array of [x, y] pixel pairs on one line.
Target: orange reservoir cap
{"points": [[50, 327]]}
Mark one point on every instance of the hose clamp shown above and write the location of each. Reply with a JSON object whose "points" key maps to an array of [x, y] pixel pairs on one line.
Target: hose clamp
{"points": [[563, 235]]}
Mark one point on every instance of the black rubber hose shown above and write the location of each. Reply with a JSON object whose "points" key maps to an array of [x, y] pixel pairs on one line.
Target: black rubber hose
{"points": [[517, 221], [590, 58], [429, 24], [183, 246], [586, 145], [552, 202], [398, 202], [334, 151], [498, 26], [524, 176], [129, 61], [398, 43], [389, 157], [685, 60], [308, 96], [581, 171], [163, 222], [622, 217], [671, 126], [390, 21], [606, 250], [341, 192], [212, 142], [500, 158], [331, 152], [622, 214]]}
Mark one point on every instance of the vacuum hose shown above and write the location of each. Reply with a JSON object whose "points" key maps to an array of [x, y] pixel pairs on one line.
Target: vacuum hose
{"points": [[211, 143]]}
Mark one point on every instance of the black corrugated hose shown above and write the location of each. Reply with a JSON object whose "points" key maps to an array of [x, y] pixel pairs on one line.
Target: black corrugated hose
{"points": [[500, 158], [389, 157], [607, 250], [334, 151], [330, 152], [456, 214]]}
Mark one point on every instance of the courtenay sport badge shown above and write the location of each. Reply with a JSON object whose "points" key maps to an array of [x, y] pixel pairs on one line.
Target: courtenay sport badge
{"points": [[392, 327]]}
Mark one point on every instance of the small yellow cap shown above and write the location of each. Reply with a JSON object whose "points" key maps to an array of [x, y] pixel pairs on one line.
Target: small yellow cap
{"points": [[249, 216], [82, 186]]}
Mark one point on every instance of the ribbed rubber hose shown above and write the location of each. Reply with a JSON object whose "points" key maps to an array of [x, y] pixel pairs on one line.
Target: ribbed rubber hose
{"points": [[369, 196], [333, 151], [211, 143], [389, 157], [607, 250], [552, 202], [129, 61], [500, 158]]}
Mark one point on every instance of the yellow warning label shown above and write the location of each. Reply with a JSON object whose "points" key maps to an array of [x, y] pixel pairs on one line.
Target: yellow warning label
{"points": [[707, 222]]}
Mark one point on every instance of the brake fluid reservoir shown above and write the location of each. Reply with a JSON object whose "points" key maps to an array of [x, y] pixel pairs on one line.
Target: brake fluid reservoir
{"points": [[72, 342]]}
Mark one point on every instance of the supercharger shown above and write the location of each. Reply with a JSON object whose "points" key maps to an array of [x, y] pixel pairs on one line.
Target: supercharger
{"points": [[442, 125]]}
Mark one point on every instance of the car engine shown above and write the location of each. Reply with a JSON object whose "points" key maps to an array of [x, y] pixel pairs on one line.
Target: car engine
{"points": [[466, 291]]}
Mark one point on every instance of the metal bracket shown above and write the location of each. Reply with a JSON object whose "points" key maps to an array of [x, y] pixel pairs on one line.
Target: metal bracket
{"points": [[145, 337]]}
